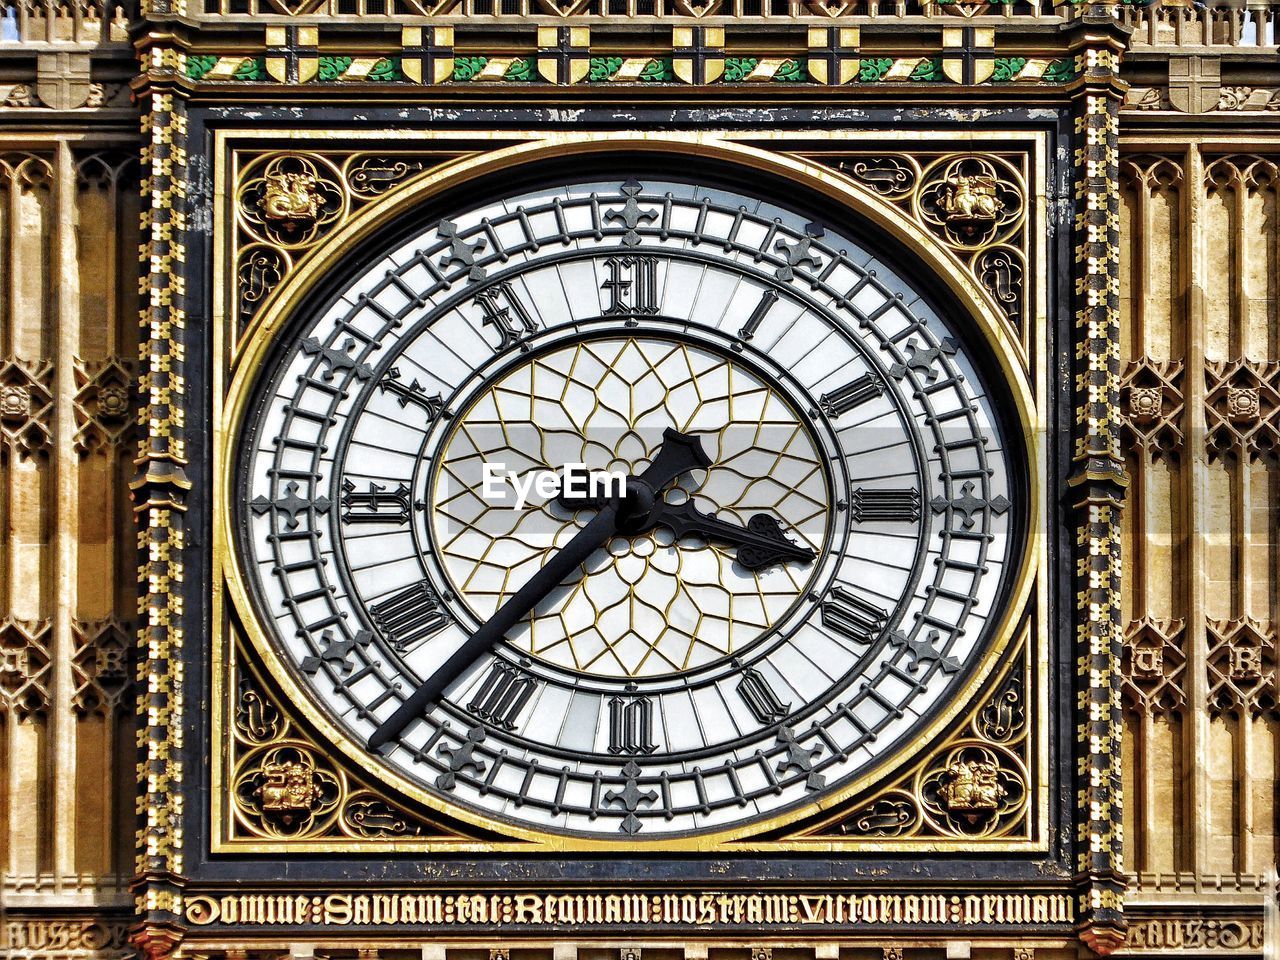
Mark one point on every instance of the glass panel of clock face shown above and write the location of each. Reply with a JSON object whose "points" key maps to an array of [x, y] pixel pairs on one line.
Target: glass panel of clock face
{"points": [[790, 614]]}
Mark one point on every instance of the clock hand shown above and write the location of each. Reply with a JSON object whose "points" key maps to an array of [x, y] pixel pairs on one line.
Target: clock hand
{"points": [[563, 562], [761, 543], [678, 454]]}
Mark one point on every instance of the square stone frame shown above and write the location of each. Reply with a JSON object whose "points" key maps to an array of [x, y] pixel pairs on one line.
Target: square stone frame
{"points": [[1043, 863], [233, 146], [1086, 481]]}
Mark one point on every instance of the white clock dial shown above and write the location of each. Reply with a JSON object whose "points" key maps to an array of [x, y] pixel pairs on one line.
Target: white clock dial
{"points": [[650, 604], [673, 683]]}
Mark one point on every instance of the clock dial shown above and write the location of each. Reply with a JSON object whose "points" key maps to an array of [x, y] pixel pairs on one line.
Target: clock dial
{"points": [[649, 604], [739, 639]]}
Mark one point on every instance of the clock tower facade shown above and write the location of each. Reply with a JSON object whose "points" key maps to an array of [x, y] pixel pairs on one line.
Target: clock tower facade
{"points": [[917, 596]]}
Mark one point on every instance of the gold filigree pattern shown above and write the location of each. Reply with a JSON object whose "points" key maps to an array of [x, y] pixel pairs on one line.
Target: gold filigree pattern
{"points": [[970, 202], [280, 786], [892, 176], [260, 269], [976, 784], [291, 200], [975, 205], [370, 176], [974, 789], [286, 202], [285, 790], [650, 606]]}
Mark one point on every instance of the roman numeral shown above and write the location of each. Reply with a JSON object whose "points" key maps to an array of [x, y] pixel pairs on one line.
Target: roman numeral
{"points": [[631, 726], [868, 506], [512, 320], [760, 698], [847, 613], [852, 394], [767, 300], [411, 393], [375, 505], [503, 695], [409, 616], [632, 285]]}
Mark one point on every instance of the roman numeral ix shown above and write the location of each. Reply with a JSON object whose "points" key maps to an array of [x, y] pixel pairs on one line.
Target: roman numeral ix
{"points": [[407, 617]]}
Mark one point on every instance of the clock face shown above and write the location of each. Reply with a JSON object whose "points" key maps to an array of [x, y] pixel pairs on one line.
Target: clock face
{"points": [[797, 508]]}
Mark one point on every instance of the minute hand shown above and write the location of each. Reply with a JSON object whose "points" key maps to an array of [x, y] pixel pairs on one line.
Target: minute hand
{"points": [[761, 543], [563, 562], [678, 454]]}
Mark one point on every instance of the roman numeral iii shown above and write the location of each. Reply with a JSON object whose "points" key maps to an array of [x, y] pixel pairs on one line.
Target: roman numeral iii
{"points": [[868, 506], [847, 613], [631, 726]]}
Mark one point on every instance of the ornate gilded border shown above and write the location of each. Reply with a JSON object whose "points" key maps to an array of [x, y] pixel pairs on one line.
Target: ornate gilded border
{"points": [[977, 205], [1099, 481], [287, 203], [237, 353], [976, 785], [160, 491]]}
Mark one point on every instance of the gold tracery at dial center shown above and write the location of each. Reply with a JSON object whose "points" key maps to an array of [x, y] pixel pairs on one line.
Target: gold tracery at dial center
{"points": [[644, 606]]}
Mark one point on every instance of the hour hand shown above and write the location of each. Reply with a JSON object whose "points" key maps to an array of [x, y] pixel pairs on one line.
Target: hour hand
{"points": [[761, 543], [581, 501], [678, 454]]}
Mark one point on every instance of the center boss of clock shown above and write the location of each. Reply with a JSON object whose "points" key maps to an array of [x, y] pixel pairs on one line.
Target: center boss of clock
{"points": [[818, 521]]}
